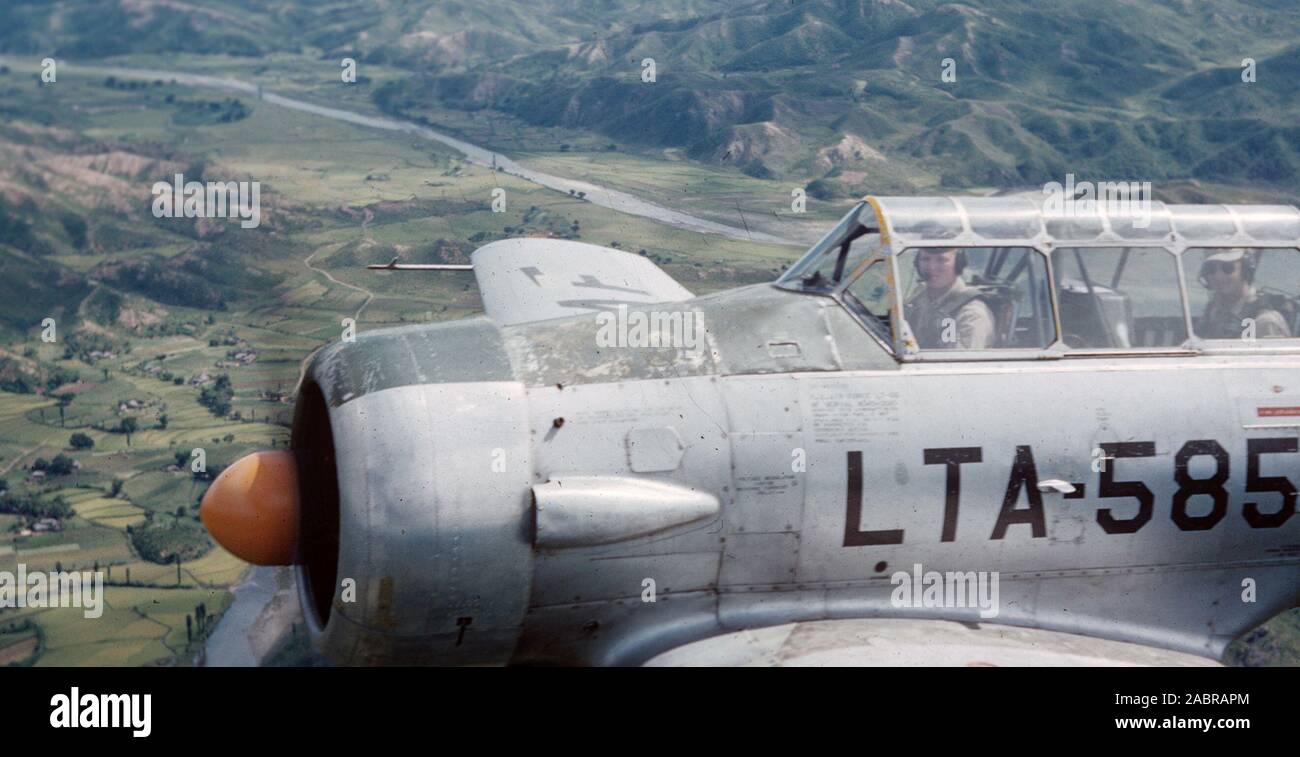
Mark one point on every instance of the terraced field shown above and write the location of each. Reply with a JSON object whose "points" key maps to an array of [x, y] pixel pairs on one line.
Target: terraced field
{"points": [[336, 197]]}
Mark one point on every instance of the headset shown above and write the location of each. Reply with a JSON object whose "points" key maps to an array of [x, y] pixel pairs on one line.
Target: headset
{"points": [[1248, 264], [959, 264]]}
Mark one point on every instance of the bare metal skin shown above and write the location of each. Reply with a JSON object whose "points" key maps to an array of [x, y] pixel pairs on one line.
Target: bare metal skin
{"points": [[506, 490]]}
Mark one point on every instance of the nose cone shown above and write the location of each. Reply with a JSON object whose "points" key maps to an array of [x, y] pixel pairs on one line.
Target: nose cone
{"points": [[252, 508]]}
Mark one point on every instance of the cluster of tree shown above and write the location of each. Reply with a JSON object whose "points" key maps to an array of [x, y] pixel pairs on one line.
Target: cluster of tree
{"points": [[61, 465], [827, 189], [24, 383], [112, 82], [167, 328], [128, 425], [210, 471], [31, 506], [199, 112], [218, 396], [81, 441], [80, 344], [18, 384], [58, 376], [165, 539], [169, 376]]}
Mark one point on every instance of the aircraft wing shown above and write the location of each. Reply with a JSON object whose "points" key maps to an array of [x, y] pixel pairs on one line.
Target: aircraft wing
{"points": [[916, 643], [524, 280]]}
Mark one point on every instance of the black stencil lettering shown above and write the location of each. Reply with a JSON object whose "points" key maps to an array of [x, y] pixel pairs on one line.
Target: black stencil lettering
{"points": [[952, 457], [1023, 475], [1109, 487], [1257, 483], [853, 537], [1189, 487]]}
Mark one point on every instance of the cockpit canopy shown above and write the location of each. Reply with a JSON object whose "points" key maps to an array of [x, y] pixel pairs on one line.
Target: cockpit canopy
{"points": [[1024, 276]]}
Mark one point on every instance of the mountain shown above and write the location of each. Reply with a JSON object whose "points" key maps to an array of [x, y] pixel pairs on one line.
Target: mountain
{"points": [[843, 94], [65, 195], [852, 92]]}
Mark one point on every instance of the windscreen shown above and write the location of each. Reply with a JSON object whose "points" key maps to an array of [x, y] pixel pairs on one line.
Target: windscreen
{"points": [[830, 262]]}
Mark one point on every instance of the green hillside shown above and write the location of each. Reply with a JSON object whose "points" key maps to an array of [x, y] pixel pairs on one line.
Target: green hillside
{"points": [[845, 93], [175, 334]]}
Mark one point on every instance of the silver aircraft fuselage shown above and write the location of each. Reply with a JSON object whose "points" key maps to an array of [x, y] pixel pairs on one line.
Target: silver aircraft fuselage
{"points": [[800, 465]]}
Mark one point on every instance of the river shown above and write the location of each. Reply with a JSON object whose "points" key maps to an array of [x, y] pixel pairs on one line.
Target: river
{"points": [[230, 645]]}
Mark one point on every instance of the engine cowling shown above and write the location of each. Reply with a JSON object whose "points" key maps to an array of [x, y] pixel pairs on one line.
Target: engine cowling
{"points": [[414, 514]]}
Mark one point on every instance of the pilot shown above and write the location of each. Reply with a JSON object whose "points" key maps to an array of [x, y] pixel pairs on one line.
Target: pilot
{"points": [[1230, 275], [948, 313]]}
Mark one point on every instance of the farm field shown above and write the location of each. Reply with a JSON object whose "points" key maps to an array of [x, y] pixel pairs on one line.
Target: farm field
{"points": [[336, 197], [180, 343]]}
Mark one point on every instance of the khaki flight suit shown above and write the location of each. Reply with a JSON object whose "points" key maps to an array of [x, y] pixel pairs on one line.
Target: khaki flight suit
{"points": [[976, 326], [1226, 323]]}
